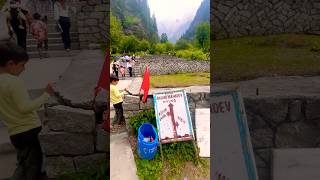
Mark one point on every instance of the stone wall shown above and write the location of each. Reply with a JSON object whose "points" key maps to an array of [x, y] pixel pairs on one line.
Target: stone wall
{"points": [[159, 65], [132, 105], [71, 140], [93, 23], [281, 122], [234, 18]]}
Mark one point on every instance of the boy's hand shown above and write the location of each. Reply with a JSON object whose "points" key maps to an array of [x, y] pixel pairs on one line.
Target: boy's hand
{"points": [[49, 89]]}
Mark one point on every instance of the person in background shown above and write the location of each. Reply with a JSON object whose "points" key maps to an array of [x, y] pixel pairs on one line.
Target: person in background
{"points": [[62, 16], [123, 72], [115, 69], [129, 68], [39, 32], [42, 7], [19, 20], [17, 111]]}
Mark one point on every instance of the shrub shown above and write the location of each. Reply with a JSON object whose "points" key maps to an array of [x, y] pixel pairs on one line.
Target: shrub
{"points": [[192, 54], [145, 116]]}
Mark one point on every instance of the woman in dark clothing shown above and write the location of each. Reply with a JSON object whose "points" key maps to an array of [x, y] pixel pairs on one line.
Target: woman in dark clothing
{"points": [[19, 18]]}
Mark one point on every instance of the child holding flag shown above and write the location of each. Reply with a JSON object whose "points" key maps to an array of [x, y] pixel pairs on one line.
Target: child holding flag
{"points": [[116, 100]]}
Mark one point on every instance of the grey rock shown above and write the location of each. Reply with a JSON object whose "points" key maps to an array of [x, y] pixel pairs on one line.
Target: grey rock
{"points": [[89, 162], [131, 107], [295, 111], [312, 109], [297, 135], [56, 166], [262, 138], [62, 143], [132, 99], [102, 139], [63, 118]]}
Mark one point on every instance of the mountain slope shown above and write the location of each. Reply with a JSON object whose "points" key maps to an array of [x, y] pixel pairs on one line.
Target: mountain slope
{"points": [[135, 19], [202, 15]]}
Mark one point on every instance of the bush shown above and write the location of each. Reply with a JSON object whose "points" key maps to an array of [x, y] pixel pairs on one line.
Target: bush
{"points": [[192, 55], [145, 116], [130, 44]]}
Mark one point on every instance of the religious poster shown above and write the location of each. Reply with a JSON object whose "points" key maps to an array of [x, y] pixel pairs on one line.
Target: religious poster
{"points": [[233, 156], [173, 116]]}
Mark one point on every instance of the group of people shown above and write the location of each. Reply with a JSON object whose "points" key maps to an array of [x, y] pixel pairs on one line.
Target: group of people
{"points": [[20, 22], [122, 64]]}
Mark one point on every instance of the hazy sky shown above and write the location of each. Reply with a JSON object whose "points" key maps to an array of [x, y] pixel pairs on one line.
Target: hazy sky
{"points": [[172, 14], [171, 9]]}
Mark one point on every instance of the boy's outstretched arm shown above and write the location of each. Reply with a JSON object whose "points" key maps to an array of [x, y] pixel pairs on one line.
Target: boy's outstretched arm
{"points": [[22, 99]]}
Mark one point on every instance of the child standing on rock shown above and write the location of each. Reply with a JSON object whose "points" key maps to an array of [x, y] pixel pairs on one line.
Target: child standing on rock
{"points": [[116, 100], [17, 111]]}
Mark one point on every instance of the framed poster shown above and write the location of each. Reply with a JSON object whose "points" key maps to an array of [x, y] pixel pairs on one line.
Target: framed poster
{"points": [[233, 156], [173, 116]]}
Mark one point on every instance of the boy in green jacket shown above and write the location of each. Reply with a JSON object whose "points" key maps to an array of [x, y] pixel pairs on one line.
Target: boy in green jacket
{"points": [[17, 111]]}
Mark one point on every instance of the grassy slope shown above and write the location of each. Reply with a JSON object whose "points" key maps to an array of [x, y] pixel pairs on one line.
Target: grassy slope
{"points": [[251, 57]]}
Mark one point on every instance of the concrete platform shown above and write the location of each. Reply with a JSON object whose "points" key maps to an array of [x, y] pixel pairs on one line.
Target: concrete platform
{"points": [[296, 164], [122, 165]]}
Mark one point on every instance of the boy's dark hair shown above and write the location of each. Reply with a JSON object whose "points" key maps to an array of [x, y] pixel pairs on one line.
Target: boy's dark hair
{"points": [[11, 51], [113, 77], [36, 16]]}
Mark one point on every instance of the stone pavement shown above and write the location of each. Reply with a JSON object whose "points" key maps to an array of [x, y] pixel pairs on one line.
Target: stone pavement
{"points": [[122, 164]]}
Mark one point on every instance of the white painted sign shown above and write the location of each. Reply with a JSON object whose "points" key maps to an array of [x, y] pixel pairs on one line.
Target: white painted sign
{"points": [[173, 116], [203, 131], [232, 150]]}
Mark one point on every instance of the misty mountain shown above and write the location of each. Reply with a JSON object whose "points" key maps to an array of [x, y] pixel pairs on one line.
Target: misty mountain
{"points": [[202, 15]]}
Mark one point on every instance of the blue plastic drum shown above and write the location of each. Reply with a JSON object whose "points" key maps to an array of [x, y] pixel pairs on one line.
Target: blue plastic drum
{"points": [[147, 149]]}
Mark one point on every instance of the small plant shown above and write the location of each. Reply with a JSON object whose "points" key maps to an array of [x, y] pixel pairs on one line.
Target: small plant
{"points": [[149, 169], [145, 116]]}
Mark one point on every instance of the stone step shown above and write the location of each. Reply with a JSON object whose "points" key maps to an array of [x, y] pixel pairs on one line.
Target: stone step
{"points": [[52, 40], [55, 46], [52, 27], [58, 53], [296, 164], [73, 34]]}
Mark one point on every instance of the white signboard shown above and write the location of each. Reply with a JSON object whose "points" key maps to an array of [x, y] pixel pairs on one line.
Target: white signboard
{"points": [[203, 131], [173, 116], [232, 150]]}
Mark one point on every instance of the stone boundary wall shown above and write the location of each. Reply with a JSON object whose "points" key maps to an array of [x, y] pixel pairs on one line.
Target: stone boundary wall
{"points": [[159, 65], [71, 140], [93, 23], [132, 105], [281, 122], [234, 18]]}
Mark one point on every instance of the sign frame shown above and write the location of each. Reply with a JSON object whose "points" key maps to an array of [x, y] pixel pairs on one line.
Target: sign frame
{"points": [[241, 118], [186, 105]]}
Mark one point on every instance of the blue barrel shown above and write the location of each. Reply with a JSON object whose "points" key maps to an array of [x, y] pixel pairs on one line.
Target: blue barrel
{"points": [[147, 150]]}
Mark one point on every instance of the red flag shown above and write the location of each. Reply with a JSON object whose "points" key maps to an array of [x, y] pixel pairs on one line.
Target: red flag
{"points": [[145, 84], [104, 83]]}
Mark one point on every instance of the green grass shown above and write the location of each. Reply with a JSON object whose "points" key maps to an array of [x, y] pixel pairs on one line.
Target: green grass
{"points": [[252, 57], [180, 80]]}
